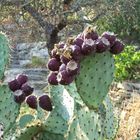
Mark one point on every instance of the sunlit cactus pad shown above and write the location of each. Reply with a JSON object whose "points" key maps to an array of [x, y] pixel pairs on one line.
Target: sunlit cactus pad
{"points": [[8, 109], [95, 78], [4, 54]]}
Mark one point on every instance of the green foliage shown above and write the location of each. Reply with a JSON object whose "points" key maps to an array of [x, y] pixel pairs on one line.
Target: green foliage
{"points": [[122, 19], [127, 64]]}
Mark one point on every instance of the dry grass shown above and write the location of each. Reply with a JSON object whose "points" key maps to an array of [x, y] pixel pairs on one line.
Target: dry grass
{"points": [[129, 112]]}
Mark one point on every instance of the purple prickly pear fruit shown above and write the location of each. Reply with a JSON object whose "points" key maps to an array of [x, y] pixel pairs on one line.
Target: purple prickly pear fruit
{"points": [[64, 59], [27, 90], [75, 52], [111, 37], [117, 48], [54, 54], [19, 96], [64, 78], [78, 41], [52, 78], [54, 64], [32, 101], [73, 67], [22, 78], [88, 47], [102, 44], [90, 33], [61, 45], [45, 102], [62, 67], [14, 85]]}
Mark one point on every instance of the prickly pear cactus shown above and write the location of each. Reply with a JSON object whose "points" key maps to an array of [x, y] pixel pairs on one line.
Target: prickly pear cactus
{"points": [[81, 110], [8, 109], [95, 77], [4, 54]]}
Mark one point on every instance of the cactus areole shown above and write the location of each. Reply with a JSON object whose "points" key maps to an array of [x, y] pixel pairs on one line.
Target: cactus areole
{"points": [[77, 106]]}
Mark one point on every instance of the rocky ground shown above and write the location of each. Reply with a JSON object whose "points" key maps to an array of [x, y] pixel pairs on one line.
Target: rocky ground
{"points": [[125, 96]]}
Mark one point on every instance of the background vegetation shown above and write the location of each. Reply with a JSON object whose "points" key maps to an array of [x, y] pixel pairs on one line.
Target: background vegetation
{"points": [[54, 20]]}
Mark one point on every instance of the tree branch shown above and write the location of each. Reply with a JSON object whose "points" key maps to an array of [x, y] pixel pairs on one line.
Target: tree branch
{"points": [[53, 39], [37, 16]]}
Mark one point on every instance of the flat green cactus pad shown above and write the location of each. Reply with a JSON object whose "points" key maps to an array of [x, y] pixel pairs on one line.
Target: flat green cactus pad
{"points": [[95, 77], [9, 110], [74, 94], [28, 132], [50, 136], [4, 54], [85, 126], [61, 115], [108, 119], [25, 119]]}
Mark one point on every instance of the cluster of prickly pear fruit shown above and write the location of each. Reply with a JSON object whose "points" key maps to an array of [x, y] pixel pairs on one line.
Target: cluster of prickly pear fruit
{"points": [[65, 57], [22, 91]]}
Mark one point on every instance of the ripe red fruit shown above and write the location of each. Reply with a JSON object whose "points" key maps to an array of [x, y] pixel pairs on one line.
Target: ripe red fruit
{"points": [[32, 101], [22, 78], [28, 90], [117, 48], [88, 47], [54, 54], [54, 64], [19, 96], [102, 44], [78, 41], [61, 45], [75, 52], [64, 78], [73, 67], [64, 59], [62, 67], [45, 102], [52, 78], [111, 37], [90, 33], [14, 85]]}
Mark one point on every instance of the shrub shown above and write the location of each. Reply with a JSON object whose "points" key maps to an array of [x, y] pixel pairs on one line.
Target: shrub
{"points": [[128, 65]]}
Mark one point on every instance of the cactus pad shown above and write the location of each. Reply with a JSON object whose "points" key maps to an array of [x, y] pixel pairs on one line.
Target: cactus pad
{"points": [[9, 110], [25, 119], [85, 126], [60, 116], [28, 132], [108, 119], [73, 93], [50, 136], [95, 77], [4, 54]]}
